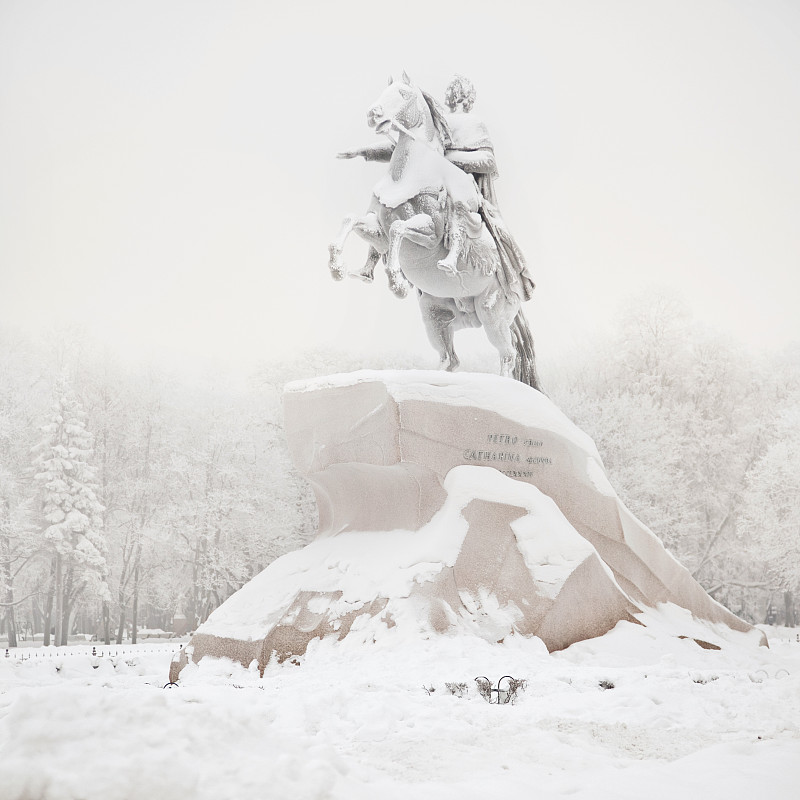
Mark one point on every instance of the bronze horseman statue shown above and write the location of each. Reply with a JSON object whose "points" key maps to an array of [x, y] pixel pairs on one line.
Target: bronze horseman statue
{"points": [[433, 220]]}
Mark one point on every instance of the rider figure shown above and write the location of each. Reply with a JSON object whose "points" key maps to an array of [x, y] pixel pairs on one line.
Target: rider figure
{"points": [[470, 147], [471, 150]]}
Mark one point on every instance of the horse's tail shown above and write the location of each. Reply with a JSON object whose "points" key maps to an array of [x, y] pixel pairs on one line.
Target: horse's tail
{"points": [[525, 365]]}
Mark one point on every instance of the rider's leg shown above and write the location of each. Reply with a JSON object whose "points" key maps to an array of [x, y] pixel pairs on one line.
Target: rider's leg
{"points": [[458, 238]]}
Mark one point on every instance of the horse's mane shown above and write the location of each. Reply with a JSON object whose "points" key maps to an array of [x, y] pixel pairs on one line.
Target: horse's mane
{"points": [[439, 119]]}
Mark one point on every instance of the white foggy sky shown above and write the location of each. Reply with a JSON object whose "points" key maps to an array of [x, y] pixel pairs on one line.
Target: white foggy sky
{"points": [[167, 169]]}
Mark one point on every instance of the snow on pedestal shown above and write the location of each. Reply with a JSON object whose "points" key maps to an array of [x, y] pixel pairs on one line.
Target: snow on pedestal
{"points": [[460, 504]]}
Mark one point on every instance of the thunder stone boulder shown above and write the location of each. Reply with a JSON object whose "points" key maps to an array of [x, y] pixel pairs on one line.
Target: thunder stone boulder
{"points": [[464, 503]]}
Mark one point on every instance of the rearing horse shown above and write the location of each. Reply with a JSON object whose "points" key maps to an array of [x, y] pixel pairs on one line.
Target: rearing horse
{"points": [[423, 220]]}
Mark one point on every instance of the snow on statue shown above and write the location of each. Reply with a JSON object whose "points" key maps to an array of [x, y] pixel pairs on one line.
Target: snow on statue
{"points": [[434, 222]]}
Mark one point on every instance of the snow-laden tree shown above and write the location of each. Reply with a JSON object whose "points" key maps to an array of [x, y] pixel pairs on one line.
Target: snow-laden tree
{"points": [[724, 413], [19, 542], [106, 398], [142, 498], [235, 502], [69, 504], [770, 521], [678, 415], [18, 545]]}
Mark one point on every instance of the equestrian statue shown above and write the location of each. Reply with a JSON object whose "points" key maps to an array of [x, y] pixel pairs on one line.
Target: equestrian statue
{"points": [[434, 222]]}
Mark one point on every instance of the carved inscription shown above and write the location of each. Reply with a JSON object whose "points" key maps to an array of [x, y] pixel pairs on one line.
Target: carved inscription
{"points": [[507, 450]]}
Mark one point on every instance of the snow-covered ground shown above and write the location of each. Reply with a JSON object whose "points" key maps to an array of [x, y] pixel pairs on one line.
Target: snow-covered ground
{"points": [[354, 722]]}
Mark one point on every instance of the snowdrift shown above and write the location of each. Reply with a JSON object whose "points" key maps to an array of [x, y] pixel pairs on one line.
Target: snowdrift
{"points": [[452, 504]]}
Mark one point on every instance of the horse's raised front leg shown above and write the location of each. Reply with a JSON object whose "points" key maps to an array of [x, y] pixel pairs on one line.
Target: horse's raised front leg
{"points": [[367, 272], [335, 263], [419, 229], [368, 228]]}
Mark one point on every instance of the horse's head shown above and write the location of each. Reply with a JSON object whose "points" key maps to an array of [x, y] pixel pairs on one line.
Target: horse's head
{"points": [[400, 106]]}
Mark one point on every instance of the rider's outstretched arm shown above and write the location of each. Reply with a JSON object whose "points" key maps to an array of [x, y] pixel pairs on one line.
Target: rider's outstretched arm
{"points": [[373, 152]]}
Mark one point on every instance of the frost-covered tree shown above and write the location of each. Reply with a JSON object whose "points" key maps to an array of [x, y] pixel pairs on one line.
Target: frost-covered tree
{"points": [[106, 398], [17, 546], [73, 515], [19, 543], [141, 499], [235, 503], [678, 415], [771, 517]]}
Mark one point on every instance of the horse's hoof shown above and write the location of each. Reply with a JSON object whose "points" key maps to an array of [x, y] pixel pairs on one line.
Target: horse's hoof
{"points": [[335, 262], [399, 285], [367, 277]]}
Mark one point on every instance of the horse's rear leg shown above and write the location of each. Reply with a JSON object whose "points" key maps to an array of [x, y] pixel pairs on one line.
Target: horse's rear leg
{"points": [[440, 322], [496, 313]]}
